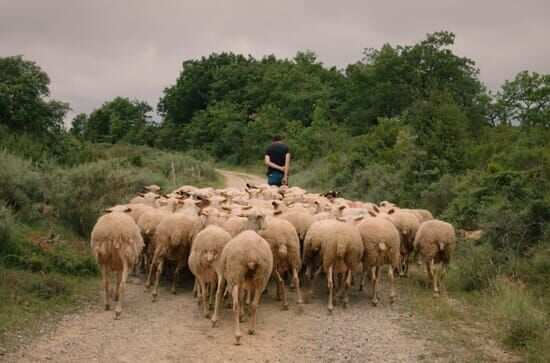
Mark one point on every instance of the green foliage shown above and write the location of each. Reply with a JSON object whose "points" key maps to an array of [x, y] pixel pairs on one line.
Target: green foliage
{"points": [[19, 182], [23, 89], [117, 120], [524, 100]]}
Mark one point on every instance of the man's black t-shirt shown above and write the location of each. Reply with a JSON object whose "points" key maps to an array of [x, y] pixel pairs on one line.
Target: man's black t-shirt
{"points": [[277, 152]]}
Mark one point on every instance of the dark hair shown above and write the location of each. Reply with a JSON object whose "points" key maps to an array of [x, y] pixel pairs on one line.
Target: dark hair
{"points": [[277, 138]]}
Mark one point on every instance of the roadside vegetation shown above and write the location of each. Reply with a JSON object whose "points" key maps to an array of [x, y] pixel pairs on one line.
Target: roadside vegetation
{"points": [[412, 124]]}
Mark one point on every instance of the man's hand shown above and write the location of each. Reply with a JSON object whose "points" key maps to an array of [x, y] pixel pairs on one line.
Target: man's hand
{"points": [[285, 180]]}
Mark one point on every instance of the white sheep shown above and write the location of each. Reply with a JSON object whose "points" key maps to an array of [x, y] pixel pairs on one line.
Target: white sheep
{"points": [[340, 247], [173, 238], [247, 263], [382, 242], [116, 244], [435, 241], [204, 263]]}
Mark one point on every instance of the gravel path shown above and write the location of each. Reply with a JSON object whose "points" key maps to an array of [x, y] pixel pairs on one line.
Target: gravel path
{"points": [[173, 329]]}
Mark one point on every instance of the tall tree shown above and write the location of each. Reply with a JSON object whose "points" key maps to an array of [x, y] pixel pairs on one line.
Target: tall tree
{"points": [[23, 89], [525, 100]]}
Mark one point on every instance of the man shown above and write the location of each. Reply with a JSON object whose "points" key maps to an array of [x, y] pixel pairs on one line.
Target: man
{"points": [[277, 160], [330, 195]]}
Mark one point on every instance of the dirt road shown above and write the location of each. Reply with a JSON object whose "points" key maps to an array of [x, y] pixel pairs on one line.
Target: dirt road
{"points": [[238, 180], [173, 329]]}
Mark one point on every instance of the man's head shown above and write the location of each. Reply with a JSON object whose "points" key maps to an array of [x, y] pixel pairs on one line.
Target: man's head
{"points": [[330, 195], [277, 138]]}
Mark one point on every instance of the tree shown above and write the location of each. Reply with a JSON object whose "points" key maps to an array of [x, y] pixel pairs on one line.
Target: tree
{"points": [[23, 89], [119, 120], [79, 125], [525, 100]]}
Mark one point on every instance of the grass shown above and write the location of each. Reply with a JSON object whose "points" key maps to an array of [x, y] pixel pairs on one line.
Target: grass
{"points": [[479, 324], [31, 299]]}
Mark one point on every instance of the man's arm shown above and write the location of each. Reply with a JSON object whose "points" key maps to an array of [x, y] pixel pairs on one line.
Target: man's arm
{"points": [[267, 162], [286, 168]]}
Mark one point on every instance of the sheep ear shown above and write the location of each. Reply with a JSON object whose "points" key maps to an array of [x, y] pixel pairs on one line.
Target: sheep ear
{"points": [[108, 210], [157, 196], [274, 203], [375, 208], [127, 209], [241, 215], [391, 211], [316, 202], [277, 212], [140, 194], [372, 213], [341, 219], [246, 207], [224, 207], [358, 218], [224, 200], [342, 207]]}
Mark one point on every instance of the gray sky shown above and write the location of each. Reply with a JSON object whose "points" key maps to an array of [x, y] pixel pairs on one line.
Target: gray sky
{"points": [[96, 50]]}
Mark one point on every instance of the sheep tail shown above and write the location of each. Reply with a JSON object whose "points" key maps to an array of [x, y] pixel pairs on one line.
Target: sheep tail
{"points": [[340, 249]]}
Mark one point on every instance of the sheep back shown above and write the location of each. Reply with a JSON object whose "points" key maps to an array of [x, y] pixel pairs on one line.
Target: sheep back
{"points": [[242, 250], [115, 232], [436, 240], [377, 231], [280, 231]]}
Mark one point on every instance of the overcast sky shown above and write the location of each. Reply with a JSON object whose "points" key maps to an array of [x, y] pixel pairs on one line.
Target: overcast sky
{"points": [[96, 50]]}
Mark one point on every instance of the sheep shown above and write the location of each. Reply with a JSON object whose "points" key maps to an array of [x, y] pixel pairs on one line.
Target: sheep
{"points": [[173, 238], [407, 224], [116, 244], [285, 246], [235, 225], [301, 221], [204, 263], [435, 241], [381, 241], [339, 246], [153, 188], [247, 263], [147, 224]]}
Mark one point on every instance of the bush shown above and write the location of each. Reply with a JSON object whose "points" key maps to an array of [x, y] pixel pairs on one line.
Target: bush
{"points": [[19, 182], [9, 244], [474, 266]]}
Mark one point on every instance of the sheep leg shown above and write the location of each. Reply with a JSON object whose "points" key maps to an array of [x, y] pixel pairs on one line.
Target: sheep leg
{"points": [[221, 287], [315, 276], [242, 292], [281, 287], [154, 263], [177, 275], [296, 281], [362, 284], [392, 287], [442, 277], [122, 283], [330, 284], [235, 293], [211, 295], [253, 308], [278, 293], [160, 267], [117, 287], [248, 298], [347, 285], [203, 296], [105, 275], [433, 277], [197, 290], [374, 278]]}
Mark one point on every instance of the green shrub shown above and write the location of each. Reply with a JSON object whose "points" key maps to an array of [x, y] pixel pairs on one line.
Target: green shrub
{"points": [[19, 182], [9, 236], [474, 266]]}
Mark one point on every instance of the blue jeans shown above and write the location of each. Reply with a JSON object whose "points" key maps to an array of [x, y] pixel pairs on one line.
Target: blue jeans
{"points": [[275, 178]]}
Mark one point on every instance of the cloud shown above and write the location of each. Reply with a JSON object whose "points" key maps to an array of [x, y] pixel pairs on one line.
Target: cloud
{"points": [[94, 51]]}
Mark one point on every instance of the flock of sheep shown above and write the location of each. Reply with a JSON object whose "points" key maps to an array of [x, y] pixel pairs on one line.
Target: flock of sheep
{"points": [[234, 241]]}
